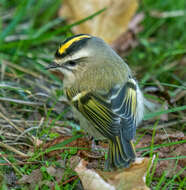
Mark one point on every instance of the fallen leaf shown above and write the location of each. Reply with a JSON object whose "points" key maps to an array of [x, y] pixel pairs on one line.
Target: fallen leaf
{"points": [[129, 178], [108, 25], [128, 40], [34, 178]]}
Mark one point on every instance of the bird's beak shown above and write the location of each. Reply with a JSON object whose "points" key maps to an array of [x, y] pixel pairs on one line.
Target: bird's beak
{"points": [[52, 65]]}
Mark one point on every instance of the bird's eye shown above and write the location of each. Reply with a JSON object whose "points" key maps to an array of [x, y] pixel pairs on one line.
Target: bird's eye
{"points": [[71, 63]]}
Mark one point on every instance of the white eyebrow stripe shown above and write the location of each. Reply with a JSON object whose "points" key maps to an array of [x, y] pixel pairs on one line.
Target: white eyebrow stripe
{"points": [[77, 55]]}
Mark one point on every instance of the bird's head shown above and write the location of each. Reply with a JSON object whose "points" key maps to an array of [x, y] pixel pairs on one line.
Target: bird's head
{"points": [[85, 57]]}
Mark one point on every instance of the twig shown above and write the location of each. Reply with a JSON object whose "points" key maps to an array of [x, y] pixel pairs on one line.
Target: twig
{"points": [[179, 95], [21, 101], [19, 163], [29, 129], [13, 150], [168, 124], [3, 110], [25, 132], [31, 137], [8, 120], [168, 14], [35, 122], [22, 69], [20, 143], [30, 122], [69, 180], [15, 168]]}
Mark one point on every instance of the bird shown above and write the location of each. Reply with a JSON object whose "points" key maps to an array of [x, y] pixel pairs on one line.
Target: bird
{"points": [[105, 96]]}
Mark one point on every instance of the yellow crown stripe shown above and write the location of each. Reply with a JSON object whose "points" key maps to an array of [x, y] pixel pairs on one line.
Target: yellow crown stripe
{"points": [[70, 42]]}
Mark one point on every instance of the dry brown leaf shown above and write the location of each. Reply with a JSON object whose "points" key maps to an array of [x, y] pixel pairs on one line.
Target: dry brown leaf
{"points": [[128, 40], [51, 170], [128, 179], [57, 172], [109, 25], [34, 178]]}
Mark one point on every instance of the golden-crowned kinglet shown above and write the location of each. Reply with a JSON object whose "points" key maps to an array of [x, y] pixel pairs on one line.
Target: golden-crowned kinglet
{"points": [[106, 97]]}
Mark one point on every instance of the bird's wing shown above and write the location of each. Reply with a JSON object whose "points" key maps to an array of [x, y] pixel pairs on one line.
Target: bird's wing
{"points": [[112, 114]]}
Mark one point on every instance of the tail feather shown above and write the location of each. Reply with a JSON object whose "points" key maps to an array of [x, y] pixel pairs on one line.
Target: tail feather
{"points": [[121, 153], [117, 158], [128, 148]]}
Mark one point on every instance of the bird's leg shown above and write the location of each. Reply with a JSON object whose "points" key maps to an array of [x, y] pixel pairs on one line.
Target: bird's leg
{"points": [[94, 146]]}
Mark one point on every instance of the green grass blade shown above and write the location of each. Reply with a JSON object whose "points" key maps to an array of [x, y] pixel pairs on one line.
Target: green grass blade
{"points": [[151, 171], [161, 145], [174, 177], [161, 181], [57, 147], [173, 158], [151, 115], [16, 19], [46, 27]]}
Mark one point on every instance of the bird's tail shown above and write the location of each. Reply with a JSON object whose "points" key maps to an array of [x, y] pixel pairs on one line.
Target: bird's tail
{"points": [[121, 153]]}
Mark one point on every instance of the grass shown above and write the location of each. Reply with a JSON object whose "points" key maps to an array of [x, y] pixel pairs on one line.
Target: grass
{"points": [[30, 32]]}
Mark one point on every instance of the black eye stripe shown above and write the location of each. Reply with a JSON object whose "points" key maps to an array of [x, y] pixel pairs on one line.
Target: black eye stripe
{"points": [[71, 63]]}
